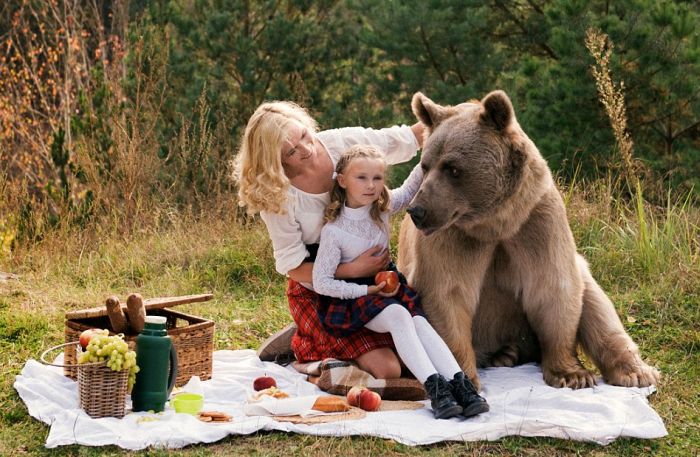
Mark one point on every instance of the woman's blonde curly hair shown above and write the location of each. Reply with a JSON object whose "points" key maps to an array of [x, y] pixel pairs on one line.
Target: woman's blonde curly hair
{"points": [[262, 183], [339, 195]]}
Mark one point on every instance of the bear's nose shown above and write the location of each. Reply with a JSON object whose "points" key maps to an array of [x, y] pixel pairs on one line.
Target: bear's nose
{"points": [[417, 214]]}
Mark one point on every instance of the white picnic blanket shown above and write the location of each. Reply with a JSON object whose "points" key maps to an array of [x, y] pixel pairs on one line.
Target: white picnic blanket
{"points": [[521, 404]]}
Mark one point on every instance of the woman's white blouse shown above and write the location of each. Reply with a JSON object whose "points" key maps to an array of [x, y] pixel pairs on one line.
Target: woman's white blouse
{"points": [[302, 223], [351, 234]]}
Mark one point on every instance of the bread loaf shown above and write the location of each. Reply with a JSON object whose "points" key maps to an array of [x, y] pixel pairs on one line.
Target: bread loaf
{"points": [[136, 312], [117, 318], [330, 404]]}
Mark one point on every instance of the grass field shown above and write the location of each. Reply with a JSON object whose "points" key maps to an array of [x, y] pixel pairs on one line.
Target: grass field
{"points": [[647, 259]]}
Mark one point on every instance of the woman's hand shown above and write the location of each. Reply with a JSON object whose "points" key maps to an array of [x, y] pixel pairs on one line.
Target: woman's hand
{"points": [[370, 262], [367, 264]]}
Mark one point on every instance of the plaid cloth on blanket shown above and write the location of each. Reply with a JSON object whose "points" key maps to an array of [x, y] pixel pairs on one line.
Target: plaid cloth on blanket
{"points": [[338, 376]]}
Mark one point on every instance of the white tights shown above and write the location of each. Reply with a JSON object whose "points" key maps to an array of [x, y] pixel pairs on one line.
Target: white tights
{"points": [[419, 346]]}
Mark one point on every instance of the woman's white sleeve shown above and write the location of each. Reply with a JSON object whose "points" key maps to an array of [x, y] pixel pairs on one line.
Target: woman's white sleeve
{"points": [[398, 143], [402, 196], [327, 261], [285, 233]]}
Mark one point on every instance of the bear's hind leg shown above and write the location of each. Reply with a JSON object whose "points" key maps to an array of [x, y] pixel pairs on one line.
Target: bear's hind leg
{"points": [[507, 356], [605, 341]]}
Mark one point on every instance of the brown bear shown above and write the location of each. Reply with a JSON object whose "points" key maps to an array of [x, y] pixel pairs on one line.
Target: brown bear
{"points": [[489, 248]]}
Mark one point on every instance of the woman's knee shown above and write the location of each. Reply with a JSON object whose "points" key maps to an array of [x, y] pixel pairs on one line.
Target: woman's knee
{"points": [[381, 363]]}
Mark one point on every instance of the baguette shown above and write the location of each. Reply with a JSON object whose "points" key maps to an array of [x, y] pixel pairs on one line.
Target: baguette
{"points": [[331, 404], [116, 315], [136, 312]]}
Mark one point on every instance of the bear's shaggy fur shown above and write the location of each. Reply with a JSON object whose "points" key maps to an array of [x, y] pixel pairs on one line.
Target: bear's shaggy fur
{"points": [[489, 248]]}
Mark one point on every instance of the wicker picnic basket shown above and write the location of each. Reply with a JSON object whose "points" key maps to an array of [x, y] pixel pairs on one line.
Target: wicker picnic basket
{"points": [[102, 391], [192, 336]]}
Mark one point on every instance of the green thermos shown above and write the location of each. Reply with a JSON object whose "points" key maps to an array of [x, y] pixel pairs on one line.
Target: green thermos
{"points": [[157, 361]]}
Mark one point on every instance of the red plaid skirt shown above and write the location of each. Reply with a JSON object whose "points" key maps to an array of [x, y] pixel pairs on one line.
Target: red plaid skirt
{"points": [[312, 342], [343, 317]]}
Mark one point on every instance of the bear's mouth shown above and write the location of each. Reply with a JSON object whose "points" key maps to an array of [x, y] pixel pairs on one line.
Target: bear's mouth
{"points": [[427, 231]]}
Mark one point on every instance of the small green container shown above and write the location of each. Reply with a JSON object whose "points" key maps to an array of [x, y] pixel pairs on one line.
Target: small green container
{"points": [[187, 403], [157, 361]]}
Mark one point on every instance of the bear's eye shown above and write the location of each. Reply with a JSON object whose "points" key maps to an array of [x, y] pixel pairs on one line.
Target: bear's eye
{"points": [[454, 172]]}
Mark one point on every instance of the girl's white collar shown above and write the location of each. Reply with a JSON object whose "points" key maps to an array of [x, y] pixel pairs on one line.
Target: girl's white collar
{"points": [[357, 213]]}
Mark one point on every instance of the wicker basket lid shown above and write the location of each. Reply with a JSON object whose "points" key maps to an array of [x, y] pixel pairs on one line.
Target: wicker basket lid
{"points": [[152, 303]]}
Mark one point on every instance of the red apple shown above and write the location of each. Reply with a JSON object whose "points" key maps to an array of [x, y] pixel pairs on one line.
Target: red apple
{"points": [[85, 337], [391, 278], [369, 400], [353, 395], [264, 382]]}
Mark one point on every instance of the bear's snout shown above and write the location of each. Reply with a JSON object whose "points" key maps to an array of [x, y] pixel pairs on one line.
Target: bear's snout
{"points": [[417, 215]]}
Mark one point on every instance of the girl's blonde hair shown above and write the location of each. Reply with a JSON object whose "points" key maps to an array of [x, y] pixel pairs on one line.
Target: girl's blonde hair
{"points": [[262, 183], [339, 195]]}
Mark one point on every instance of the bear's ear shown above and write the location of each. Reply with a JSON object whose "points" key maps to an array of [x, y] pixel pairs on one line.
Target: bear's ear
{"points": [[427, 111], [498, 110]]}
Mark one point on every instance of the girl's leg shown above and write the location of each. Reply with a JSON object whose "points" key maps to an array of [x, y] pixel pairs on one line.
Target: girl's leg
{"points": [[381, 363], [438, 351], [396, 319]]}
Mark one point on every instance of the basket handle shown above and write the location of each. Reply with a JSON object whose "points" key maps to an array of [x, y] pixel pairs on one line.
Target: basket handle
{"points": [[43, 355]]}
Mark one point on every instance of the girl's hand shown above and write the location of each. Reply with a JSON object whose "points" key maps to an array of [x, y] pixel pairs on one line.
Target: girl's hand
{"points": [[377, 289], [389, 294], [371, 262]]}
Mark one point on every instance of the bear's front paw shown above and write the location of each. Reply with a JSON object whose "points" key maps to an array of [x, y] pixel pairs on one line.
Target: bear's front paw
{"points": [[473, 377], [577, 378], [638, 375], [476, 382]]}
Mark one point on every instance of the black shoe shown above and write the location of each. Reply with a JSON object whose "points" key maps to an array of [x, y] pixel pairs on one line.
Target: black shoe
{"points": [[441, 399], [466, 395]]}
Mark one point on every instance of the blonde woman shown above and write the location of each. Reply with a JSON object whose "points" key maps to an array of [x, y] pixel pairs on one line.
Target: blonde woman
{"points": [[285, 170]]}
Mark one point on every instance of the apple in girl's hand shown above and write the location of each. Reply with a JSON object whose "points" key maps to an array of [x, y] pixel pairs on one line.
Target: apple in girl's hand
{"points": [[85, 337], [391, 278], [264, 382]]}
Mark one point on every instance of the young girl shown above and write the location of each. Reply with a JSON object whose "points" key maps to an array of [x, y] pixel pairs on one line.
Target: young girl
{"points": [[357, 218]]}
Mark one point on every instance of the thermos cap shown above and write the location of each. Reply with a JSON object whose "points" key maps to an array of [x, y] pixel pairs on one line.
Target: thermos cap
{"points": [[156, 320]]}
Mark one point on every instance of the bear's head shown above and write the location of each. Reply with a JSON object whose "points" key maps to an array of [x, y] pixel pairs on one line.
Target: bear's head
{"points": [[476, 160]]}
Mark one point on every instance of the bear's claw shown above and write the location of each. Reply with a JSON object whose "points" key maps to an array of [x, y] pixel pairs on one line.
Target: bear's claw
{"points": [[576, 379]]}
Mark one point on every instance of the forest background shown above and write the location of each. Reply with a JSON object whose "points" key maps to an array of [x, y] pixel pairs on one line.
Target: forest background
{"points": [[131, 110], [119, 121]]}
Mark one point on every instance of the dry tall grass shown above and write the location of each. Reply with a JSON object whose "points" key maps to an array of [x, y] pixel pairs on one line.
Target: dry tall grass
{"points": [[612, 97], [656, 238], [83, 142]]}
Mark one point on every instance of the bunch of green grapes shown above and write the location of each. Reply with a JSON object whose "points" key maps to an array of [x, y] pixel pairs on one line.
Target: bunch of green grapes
{"points": [[113, 350]]}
